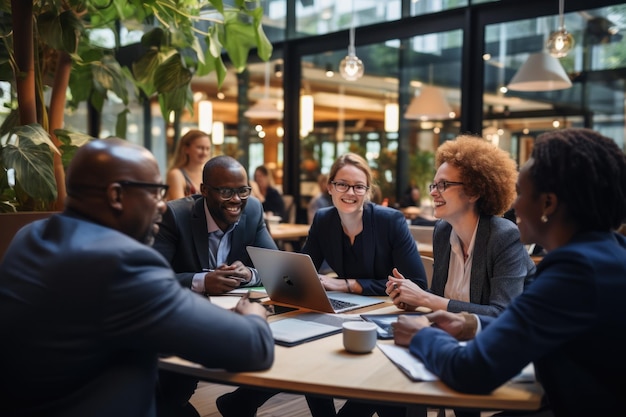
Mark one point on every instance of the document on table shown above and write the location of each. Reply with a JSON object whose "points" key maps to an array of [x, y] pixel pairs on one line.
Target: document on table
{"points": [[409, 364]]}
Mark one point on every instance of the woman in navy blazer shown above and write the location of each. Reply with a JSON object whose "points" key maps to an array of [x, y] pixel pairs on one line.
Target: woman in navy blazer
{"points": [[360, 241], [568, 322]]}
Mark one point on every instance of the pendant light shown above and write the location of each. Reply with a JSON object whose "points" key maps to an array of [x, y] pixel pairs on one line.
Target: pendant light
{"points": [[264, 108], [540, 72], [351, 67], [560, 41]]}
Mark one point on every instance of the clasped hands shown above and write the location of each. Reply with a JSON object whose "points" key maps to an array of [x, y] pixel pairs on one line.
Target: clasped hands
{"points": [[226, 278], [404, 293]]}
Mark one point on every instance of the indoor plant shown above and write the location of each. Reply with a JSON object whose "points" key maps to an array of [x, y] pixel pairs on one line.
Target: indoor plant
{"points": [[48, 42]]}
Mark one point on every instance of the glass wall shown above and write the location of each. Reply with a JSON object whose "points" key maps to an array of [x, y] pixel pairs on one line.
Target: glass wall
{"points": [[595, 64]]}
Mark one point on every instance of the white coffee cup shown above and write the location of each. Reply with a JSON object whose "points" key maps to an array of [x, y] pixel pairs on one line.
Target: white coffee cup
{"points": [[359, 336]]}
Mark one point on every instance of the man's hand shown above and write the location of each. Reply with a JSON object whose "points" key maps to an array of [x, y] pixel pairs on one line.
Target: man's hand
{"points": [[226, 278], [461, 326], [406, 327], [245, 306]]}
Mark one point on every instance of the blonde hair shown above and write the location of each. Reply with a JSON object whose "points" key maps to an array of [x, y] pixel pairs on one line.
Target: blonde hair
{"points": [[180, 158]]}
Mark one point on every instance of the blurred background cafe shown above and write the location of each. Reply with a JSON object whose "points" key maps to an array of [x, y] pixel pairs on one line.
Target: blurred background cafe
{"points": [[393, 79]]}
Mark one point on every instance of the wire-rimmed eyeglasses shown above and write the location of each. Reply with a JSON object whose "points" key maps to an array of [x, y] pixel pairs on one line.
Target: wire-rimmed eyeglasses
{"points": [[342, 187], [228, 193], [160, 189], [442, 185]]}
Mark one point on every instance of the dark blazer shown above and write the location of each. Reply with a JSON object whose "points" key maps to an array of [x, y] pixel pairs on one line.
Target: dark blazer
{"points": [[568, 322], [499, 267], [387, 243], [183, 237], [85, 310]]}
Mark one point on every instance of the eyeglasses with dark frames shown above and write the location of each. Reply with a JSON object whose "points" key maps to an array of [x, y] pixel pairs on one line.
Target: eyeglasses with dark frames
{"points": [[442, 185], [342, 187], [228, 193], [161, 189]]}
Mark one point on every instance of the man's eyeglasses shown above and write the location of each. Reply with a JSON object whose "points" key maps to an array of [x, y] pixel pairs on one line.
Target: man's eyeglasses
{"points": [[342, 187], [442, 185], [228, 193], [160, 189]]}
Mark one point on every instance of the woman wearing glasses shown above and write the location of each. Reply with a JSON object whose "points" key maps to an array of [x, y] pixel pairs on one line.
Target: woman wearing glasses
{"points": [[480, 263], [360, 241]]}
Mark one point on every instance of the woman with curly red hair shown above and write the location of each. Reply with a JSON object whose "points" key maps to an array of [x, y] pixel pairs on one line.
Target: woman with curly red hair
{"points": [[480, 263]]}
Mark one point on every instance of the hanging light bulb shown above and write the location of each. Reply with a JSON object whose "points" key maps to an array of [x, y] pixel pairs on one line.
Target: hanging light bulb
{"points": [[560, 41], [351, 67]]}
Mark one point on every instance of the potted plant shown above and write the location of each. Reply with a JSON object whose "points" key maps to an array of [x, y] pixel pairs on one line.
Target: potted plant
{"points": [[46, 44]]}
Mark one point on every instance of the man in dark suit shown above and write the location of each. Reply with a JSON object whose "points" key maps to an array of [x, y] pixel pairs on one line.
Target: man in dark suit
{"points": [[204, 237], [86, 306]]}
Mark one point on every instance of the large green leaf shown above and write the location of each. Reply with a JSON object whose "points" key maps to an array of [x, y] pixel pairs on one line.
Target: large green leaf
{"points": [[108, 75], [145, 68], [70, 142], [30, 154], [171, 75]]}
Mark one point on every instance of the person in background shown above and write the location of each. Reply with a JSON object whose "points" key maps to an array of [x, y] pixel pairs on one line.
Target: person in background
{"points": [[87, 317], [480, 263], [185, 173], [321, 200], [204, 238], [273, 204], [361, 242], [411, 197], [571, 195]]}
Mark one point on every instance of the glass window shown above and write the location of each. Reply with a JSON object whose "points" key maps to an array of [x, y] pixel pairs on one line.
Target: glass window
{"points": [[514, 118], [317, 17], [432, 6], [274, 19]]}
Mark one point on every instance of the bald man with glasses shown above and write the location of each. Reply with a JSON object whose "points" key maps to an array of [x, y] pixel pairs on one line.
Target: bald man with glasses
{"points": [[204, 237], [86, 306]]}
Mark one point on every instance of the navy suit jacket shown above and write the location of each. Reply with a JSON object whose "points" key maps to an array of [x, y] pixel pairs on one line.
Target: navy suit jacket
{"points": [[85, 311], [387, 244], [569, 322], [184, 241], [500, 265]]}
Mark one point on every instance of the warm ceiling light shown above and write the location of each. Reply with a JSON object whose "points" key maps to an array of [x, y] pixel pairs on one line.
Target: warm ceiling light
{"points": [[392, 117], [306, 114], [205, 116], [560, 41], [351, 67], [217, 136]]}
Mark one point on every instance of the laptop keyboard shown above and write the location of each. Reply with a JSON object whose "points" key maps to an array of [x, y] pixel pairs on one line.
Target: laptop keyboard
{"points": [[340, 304]]}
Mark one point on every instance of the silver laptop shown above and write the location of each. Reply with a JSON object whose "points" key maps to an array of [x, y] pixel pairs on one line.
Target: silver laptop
{"points": [[291, 278]]}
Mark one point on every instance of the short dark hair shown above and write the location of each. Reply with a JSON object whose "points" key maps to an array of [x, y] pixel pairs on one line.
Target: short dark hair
{"points": [[220, 161], [586, 171]]}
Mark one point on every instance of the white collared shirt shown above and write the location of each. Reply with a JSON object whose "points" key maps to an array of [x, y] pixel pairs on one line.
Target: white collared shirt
{"points": [[459, 270], [219, 248]]}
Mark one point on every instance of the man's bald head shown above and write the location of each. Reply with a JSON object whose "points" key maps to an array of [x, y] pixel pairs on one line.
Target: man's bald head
{"points": [[103, 161], [112, 181]]}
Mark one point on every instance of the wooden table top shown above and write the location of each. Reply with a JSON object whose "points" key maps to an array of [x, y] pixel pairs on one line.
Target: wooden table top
{"points": [[323, 367], [283, 231]]}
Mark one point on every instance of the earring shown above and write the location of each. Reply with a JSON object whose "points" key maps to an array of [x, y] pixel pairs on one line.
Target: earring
{"points": [[544, 218]]}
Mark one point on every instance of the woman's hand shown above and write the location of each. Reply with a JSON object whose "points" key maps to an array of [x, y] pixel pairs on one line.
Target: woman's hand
{"points": [[404, 293]]}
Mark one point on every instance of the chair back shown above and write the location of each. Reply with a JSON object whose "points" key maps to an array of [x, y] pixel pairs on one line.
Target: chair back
{"points": [[10, 223], [428, 266], [422, 234]]}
